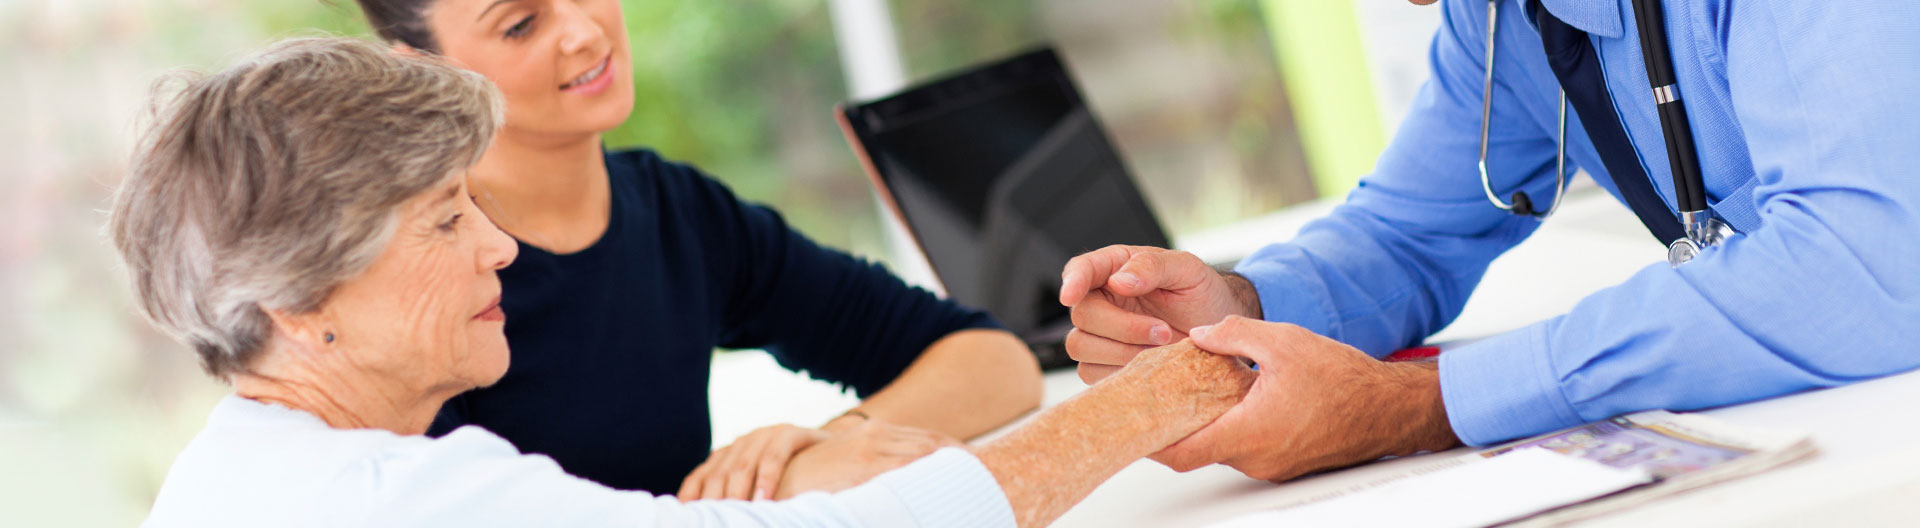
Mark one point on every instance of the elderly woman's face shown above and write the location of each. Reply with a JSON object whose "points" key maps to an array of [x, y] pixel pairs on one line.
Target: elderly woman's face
{"points": [[562, 64], [426, 314]]}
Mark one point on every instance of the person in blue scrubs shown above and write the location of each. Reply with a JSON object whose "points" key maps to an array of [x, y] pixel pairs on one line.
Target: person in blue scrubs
{"points": [[1807, 128]]}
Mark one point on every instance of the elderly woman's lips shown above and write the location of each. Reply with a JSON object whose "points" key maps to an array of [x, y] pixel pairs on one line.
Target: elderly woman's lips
{"points": [[492, 313]]}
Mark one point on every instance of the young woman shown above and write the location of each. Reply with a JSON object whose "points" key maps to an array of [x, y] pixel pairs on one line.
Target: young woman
{"points": [[633, 268]]}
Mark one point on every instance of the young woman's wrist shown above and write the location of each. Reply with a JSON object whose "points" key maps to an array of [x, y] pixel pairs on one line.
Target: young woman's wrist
{"points": [[848, 420]]}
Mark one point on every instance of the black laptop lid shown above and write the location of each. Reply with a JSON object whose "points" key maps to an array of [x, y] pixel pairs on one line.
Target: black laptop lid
{"points": [[1002, 175]]}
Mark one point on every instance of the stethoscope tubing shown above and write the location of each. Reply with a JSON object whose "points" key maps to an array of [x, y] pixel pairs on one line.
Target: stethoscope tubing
{"points": [[1486, 119], [1689, 186]]}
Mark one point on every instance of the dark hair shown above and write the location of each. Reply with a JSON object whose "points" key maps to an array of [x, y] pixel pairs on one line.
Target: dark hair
{"points": [[402, 21]]}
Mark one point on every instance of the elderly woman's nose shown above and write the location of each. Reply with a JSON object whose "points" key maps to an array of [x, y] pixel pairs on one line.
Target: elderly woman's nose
{"points": [[497, 248], [579, 32]]}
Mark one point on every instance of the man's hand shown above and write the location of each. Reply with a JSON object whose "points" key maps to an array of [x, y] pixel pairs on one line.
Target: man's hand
{"points": [[1317, 404], [856, 455], [1127, 299]]}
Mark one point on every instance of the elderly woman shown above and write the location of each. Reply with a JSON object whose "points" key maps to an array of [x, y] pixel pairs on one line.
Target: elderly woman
{"points": [[302, 221]]}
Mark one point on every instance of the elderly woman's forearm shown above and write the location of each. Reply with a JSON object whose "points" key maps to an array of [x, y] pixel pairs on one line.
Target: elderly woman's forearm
{"points": [[963, 385], [1051, 464], [1054, 461]]}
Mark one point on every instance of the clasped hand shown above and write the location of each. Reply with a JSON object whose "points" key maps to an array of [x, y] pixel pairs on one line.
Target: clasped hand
{"points": [[1316, 403]]}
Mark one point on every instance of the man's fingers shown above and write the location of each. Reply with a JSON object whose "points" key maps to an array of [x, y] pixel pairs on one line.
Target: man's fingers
{"points": [[1210, 445], [1088, 348], [1147, 271], [1181, 456], [1091, 373], [1237, 336], [1101, 317], [1090, 270]]}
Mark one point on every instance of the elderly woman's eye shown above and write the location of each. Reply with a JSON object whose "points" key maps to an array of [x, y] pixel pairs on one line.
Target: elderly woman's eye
{"points": [[520, 28], [452, 222]]}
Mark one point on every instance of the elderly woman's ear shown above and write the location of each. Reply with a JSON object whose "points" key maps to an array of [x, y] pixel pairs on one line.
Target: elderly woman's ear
{"points": [[311, 331]]}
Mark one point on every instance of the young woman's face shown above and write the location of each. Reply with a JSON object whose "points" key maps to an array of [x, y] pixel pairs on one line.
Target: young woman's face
{"points": [[563, 64]]}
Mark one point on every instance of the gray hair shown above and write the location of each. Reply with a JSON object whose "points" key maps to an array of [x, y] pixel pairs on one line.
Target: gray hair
{"points": [[264, 186]]}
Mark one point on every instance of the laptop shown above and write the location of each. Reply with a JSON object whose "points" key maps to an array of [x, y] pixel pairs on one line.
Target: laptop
{"points": [[1002, 174]]}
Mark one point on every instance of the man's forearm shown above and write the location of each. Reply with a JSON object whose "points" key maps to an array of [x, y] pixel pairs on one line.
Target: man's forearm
{"points": [[1412, 416], [963, 385]]}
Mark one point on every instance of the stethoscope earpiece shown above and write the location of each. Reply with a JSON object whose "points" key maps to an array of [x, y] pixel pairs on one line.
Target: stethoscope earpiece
{"points": [[1522, 205]]}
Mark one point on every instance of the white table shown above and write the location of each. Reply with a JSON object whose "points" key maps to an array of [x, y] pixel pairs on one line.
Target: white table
{"points": [[1867, 472]]}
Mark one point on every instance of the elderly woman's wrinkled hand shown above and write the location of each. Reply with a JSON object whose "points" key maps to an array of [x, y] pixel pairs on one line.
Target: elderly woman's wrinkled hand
{"points": [[1191, 385]]}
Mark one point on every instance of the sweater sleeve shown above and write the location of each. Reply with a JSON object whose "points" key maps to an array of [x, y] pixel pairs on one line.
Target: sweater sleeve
{"points": [[837, 317], [473, 478]]}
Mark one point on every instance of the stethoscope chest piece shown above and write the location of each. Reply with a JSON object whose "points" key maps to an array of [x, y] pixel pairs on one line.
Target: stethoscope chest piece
{"points": [[1703, 230], [1681, 251]]}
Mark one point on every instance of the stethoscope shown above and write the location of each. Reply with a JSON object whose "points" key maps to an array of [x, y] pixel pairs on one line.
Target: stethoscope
{"points": [[1689, 187]]}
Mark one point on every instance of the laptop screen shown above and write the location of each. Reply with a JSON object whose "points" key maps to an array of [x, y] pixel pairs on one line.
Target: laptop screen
{"points": [[1002, 174]]}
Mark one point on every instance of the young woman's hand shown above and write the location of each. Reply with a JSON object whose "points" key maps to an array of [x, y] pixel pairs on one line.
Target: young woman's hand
{"points": [[856, 455], [750, 468]]}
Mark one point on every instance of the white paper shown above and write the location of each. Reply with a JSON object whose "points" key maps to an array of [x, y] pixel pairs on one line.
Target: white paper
{"points": [[1480, 493]]}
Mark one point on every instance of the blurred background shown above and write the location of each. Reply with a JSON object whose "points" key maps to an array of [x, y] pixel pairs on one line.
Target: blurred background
{"points": [[1224, 109]]}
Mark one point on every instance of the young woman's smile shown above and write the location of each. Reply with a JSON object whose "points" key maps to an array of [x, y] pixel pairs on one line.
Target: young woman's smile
{"points": [[562, 64], [595, 81]]}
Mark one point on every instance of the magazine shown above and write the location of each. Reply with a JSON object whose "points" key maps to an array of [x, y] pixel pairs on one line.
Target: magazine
{"points": [[1564, 476], [1681, 451]]}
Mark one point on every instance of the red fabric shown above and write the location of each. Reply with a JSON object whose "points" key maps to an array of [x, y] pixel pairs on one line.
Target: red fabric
{"points": [[1414, 354]]}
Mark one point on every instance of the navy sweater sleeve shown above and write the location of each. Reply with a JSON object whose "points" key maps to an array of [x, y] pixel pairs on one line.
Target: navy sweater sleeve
{"points": [[839, 318]]}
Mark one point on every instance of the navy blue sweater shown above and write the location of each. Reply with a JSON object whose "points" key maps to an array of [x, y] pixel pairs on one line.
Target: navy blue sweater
{"points": [[612, 344]]}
